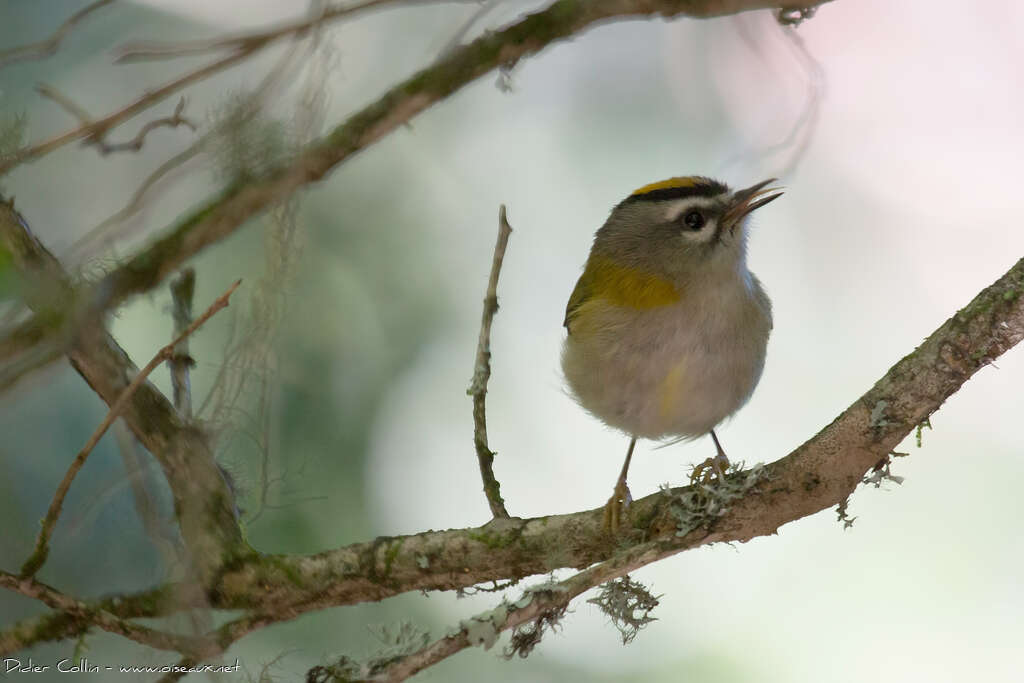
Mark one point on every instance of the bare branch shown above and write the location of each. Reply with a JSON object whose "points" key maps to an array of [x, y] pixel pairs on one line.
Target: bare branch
{"points": [[65, 103], [482, 373], [133, 145], [266, 89], [38, 557], [45, 48], [242, 47], [136, 143], [99, 127]]}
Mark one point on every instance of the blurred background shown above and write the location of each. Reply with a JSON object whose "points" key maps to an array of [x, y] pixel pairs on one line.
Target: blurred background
{"points": [[895, 128]]}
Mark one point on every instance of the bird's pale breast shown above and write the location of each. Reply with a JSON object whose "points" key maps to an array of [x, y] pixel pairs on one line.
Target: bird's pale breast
{"points": [[673, 370]]}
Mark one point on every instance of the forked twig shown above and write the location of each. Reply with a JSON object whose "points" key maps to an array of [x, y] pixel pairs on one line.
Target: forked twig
{"points": [[482, 373], [38, 557], [97, 138], [103, 232], [99, 127]]}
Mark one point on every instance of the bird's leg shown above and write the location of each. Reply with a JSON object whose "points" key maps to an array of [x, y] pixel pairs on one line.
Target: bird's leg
{"points": [[717, 465], [621, 498]]}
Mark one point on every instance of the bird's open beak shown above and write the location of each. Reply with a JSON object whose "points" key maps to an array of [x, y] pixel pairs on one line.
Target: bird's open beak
{"points": [[754, 197]]}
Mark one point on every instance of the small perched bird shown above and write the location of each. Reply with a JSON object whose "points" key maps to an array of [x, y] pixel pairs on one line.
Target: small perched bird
{"points": [[667, 328]]}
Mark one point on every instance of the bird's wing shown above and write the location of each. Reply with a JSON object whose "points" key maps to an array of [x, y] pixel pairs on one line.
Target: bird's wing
{"points": [[604, 279], [581, 293]]}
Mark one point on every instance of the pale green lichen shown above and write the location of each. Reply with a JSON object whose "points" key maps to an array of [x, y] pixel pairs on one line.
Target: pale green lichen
{"points": [[878, 414], [701, 504], [842, 516], [403, 641], [927, 422], [484, 628], [880, 474], [628, 603], [526, 637]]}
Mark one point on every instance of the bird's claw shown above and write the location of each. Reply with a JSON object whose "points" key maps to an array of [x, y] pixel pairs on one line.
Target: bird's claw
{"points": [[616, 510], [712, 467]]}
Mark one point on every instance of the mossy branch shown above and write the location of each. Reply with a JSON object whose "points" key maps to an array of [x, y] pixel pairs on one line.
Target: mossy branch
{"points": [[203, 501], [820, 474]]}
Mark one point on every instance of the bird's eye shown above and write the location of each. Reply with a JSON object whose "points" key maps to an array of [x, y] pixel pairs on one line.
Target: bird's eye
{"points": [[694, 220]]}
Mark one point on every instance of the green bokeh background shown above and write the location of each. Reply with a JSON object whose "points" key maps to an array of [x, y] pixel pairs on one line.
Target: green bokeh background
{"points": [[902, 207]]}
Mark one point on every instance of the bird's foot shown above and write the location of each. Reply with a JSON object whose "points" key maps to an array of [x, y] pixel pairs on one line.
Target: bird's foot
{"points": [[712, 467], [616, 510]]}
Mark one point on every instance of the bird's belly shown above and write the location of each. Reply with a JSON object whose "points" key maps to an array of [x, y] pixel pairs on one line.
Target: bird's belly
{"points": [[665, 375]]}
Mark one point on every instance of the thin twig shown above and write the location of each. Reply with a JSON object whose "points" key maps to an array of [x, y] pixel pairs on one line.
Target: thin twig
{"points": [[264, 91], [103, 619], [97, 138], [482, 373], [136, 143], [65, 103], [244, 47], [38, 557], [71, 623], [100, 127], [182, 290], [47, 47]]}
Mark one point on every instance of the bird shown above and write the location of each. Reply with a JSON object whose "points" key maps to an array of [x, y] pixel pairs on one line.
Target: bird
{"points": [[667, 328]]}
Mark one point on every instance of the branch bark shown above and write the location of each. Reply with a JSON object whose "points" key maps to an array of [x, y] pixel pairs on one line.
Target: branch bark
{"points": [[482, 374], [820, 474]]}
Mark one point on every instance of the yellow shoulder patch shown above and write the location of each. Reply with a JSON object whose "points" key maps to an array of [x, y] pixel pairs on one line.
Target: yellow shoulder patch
{"points": [[687, 181], [618, 285]]}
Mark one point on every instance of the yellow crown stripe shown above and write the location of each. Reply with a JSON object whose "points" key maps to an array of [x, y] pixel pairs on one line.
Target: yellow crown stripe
{"points": [[671, 183]]}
